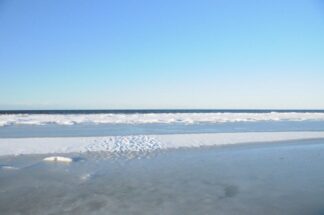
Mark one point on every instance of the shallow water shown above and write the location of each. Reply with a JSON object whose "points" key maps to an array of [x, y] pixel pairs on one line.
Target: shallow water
{"points": [[277, 178], [85, 130]]}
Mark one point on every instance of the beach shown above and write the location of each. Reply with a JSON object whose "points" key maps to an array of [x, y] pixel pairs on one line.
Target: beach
{"points": [[278, 178], [161, 107]]}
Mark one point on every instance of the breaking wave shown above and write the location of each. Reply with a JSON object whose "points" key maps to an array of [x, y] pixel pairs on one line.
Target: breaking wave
{"points": [[163, 118]]}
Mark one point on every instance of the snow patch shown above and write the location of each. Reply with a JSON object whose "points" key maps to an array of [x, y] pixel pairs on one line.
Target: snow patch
{"points": [[58, 159]]}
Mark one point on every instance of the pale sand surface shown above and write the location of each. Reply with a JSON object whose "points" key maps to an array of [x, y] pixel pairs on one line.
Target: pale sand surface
{"points": [[277, 178], [142, 143]]}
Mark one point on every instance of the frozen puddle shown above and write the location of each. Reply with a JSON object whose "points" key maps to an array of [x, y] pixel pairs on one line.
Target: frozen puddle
{"points": [[139, 143]]}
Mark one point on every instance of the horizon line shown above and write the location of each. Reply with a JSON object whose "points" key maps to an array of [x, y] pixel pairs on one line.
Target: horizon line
{"points": [[158, 110]]}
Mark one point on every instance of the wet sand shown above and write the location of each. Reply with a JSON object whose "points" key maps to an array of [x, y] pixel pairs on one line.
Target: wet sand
{"points": [[276, 178]]}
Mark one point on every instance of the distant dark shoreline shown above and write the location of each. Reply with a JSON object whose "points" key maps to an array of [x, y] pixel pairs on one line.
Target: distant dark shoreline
{"points": [[133, 111]]}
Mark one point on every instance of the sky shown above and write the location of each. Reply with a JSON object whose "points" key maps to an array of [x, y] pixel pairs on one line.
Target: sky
{"points": [[144, 54]]}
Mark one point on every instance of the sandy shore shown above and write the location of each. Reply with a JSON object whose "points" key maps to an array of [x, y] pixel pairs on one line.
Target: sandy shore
{"points": [[278, 178]]}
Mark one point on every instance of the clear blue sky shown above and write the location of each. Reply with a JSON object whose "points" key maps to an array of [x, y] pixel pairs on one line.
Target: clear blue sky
{"points": [[161, 54]]}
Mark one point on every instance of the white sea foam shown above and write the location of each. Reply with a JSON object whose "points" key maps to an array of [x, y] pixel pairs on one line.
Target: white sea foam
{"points": [[186, 118], [126, 144]]}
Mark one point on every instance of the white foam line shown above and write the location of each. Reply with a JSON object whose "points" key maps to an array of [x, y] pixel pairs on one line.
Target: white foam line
{"points": [[140, 143], [187, 118]]}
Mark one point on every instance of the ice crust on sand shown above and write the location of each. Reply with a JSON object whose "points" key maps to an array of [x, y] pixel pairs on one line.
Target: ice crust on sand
{"points": [[137, 118], [6, 167], [140, 143]]}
